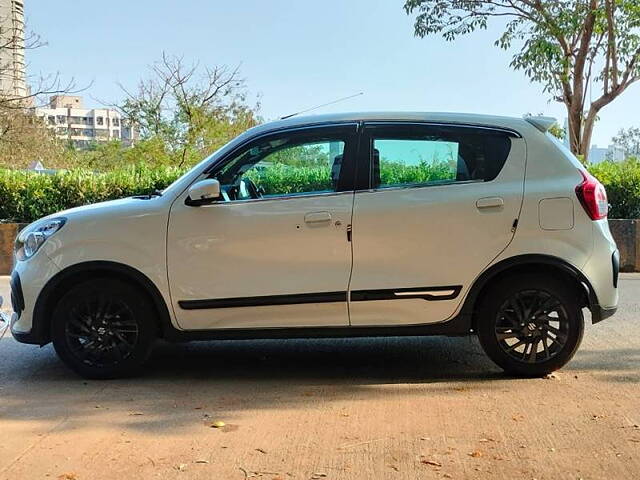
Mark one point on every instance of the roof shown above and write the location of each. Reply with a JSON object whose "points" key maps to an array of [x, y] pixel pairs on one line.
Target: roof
{"points": [[461, 118]]}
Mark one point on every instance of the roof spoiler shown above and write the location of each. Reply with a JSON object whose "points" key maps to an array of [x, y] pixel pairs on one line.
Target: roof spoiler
{"points": [[541, 123]]}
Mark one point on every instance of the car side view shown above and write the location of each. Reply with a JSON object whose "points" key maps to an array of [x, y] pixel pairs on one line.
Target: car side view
{"points": [[343, 225]]}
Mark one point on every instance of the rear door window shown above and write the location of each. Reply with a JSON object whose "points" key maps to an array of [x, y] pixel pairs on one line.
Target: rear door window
{"points": [[410, 155]]}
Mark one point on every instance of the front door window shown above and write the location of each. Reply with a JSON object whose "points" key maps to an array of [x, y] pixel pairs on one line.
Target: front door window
{"points": [[283, 167]]}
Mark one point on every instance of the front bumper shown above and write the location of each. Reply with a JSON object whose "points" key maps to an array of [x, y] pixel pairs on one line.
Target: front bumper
{"points": [[5, 320], [8, 320], [599, 313], [28, 279]]}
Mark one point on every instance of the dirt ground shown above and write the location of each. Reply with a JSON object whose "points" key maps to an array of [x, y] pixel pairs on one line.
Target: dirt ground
{"points": [[397, 408]]}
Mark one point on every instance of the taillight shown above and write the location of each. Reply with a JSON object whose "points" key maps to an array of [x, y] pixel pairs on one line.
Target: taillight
{"points": [[592, 196]]}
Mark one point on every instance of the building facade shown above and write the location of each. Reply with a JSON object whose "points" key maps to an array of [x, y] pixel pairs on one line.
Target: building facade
{"points": [[82, 127], [12, 64], [612, 153], [65, 114]]}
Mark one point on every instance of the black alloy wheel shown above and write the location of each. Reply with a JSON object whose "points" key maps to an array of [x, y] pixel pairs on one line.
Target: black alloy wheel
{"points": [[531, 324], [102, 331], [104, 328]]}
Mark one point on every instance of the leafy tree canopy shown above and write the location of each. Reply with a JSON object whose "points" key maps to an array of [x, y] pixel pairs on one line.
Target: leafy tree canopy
{"points": [[192, 110], [629, 140], [568, 46]]}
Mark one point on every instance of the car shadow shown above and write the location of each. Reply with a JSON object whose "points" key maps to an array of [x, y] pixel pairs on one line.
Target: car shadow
{"points": [[365, 360], [183, 382], [617, 365], [187, 384]]}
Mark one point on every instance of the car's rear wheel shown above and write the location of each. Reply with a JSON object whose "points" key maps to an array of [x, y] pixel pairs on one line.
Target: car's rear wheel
{"points": [[531, 324], [104, 328]]}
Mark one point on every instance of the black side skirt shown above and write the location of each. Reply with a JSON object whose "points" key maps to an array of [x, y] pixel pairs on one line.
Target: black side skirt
{"points": [[456, 327]]}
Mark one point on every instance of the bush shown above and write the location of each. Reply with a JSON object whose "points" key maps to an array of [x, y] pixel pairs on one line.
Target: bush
{"points": [[26, 196], [283, 179], [622, 181], [394, 173]]}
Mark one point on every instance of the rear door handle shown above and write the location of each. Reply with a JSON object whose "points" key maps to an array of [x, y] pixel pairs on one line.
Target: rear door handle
{"points": [[317, 217], [489, 202]]}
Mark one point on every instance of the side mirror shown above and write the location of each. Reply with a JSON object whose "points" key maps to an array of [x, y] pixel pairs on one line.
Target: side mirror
{"points": [[203, 192]]}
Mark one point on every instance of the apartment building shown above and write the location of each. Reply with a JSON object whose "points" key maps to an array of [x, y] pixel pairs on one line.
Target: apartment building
{"points": [[83, 127]]}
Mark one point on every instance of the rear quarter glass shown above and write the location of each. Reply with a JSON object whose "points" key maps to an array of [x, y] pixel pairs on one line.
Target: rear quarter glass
{"points": [[564, 151]]}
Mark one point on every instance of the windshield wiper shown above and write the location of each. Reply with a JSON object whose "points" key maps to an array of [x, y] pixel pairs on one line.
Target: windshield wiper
{"points": [[149, 196]]}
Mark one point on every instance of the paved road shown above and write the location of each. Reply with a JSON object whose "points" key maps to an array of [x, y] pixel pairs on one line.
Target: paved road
{"points": [[336, 409]]}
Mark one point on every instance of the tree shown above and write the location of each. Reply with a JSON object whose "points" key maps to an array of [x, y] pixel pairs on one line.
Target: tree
{"points": [[569, 46], [24, 139], [629, 141], [558, 132], [192, 110]]}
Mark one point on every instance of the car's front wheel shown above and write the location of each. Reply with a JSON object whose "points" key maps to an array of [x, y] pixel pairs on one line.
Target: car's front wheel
{"points": [[531, 324], [103, 328]]}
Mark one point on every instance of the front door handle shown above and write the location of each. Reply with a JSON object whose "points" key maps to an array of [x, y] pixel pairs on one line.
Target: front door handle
{"points": [[317, 217], [489, 202]]}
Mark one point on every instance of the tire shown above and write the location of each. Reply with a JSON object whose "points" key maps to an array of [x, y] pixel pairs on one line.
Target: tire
{"points": [[534, 311], [104, 328]]}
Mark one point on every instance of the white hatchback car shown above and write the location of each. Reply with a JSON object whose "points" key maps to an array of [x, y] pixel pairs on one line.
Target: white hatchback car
{"points": [[343, 225]]}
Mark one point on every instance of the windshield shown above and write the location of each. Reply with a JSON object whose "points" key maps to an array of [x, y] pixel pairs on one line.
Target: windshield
{"points": [[177, 186]]}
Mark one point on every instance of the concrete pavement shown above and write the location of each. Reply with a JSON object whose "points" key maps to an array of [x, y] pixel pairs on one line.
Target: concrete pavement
{"points": [[338, 409]]}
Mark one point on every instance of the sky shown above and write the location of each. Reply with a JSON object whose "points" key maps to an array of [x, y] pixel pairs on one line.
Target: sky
{"points": [[295, 54]]}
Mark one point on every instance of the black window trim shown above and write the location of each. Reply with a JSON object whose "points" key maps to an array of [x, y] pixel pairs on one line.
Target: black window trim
{"points": [[364, 168], [220, 162], [394, 123]]}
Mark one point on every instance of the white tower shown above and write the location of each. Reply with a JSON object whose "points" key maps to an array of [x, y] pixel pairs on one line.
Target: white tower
{"points": [[12, 66]]}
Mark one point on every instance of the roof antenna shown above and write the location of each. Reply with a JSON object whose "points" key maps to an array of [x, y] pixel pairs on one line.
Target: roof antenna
{"points": [[323, 105]]}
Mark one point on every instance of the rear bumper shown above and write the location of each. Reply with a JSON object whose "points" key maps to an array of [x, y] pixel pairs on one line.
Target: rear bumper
{"points": [[601, 271], [598, 311]]}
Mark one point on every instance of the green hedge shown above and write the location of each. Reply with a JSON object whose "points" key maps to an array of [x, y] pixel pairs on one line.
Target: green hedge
{"points": [[622, 181], [27, 196], [280, 179]]}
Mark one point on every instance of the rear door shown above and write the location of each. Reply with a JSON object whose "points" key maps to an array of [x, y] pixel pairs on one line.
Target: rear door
{"points": [[441, 205]]}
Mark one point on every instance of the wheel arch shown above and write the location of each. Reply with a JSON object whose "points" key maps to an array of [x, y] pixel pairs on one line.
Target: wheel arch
{"points": [[527, 264], [75, 274]]}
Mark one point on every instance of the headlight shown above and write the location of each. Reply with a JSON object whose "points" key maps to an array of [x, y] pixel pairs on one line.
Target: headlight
{"points": [[34, 236]]}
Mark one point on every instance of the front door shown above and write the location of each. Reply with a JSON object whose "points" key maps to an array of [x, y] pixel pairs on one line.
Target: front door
{"points": [[441, 205], [273, 251]]}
